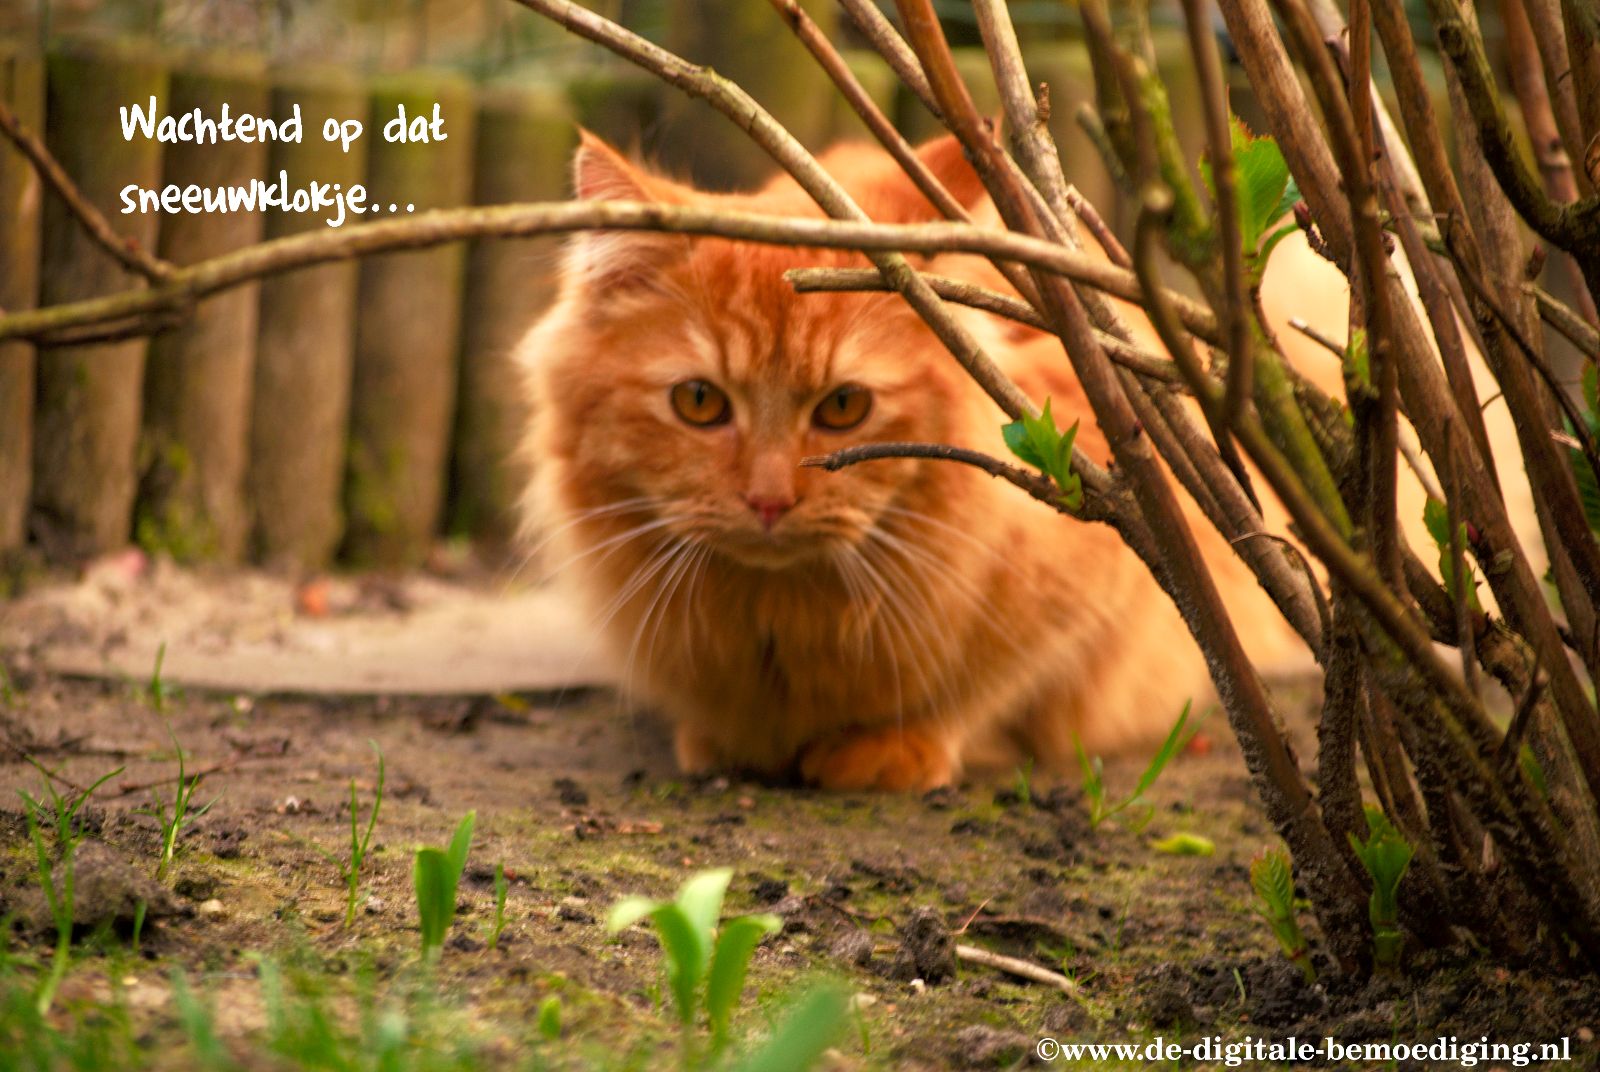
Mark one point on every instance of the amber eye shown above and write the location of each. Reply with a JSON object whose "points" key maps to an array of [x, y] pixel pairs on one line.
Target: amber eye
{"points": [[701, 403], [845, 407]]}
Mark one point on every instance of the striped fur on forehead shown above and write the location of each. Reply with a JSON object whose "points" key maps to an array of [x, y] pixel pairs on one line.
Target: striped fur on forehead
{"points": [[766, 332]]}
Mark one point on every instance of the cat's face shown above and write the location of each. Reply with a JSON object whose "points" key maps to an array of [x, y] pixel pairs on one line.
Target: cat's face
{"points": [[697, 380]]}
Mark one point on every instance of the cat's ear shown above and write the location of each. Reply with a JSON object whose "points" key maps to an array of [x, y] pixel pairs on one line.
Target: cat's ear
{"points": [[945, 157], [621, 259]]}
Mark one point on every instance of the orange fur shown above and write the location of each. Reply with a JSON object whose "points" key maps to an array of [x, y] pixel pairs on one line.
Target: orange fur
{"points": [[905, 619]]}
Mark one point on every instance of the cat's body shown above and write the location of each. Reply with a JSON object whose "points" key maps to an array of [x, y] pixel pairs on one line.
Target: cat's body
{"points": [[883, 626]]}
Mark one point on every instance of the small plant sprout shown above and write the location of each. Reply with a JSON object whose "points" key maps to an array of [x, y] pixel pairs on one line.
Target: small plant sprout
{"points": [[437, 875], [1037, 441], [158, 692], [182, 812], [1273, 881], [1094, 786], [1386, 855], [62, 812], [1024, 786], [550, 1018], [1185, 844], [500, 889], [705, 964], [360, 840]]}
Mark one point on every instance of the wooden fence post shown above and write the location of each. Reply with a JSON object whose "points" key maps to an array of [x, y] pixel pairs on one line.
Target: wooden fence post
{"points": [[525, 142], [300, 408], [407, 340], [198, 376], [87, 420], [21, 193], [747, 44]]}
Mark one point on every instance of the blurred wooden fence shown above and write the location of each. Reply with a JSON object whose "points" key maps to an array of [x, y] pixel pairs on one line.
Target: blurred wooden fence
{"points": [[350, 412]]}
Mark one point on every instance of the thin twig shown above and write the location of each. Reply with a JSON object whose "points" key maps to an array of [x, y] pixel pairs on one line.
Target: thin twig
{"points": [[125, 251], [1564, 319], [1022, 969], [1129, 355], [1114, 250], [1234, 309], [204, 278], [1034, 483]]}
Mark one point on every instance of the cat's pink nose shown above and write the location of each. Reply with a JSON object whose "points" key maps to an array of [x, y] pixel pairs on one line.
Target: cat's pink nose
{"points": [[769, 508]]}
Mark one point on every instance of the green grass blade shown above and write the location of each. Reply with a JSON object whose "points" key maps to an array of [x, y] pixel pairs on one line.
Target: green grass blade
{"points": [[729, 963], [1164, 754], [461, 844]]}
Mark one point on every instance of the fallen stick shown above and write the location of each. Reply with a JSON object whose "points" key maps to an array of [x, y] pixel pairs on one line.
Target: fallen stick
{"points": [[1022, 969]]}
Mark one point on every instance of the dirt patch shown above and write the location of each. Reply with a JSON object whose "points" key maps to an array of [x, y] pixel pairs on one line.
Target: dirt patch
{"points": [[580, 804]]}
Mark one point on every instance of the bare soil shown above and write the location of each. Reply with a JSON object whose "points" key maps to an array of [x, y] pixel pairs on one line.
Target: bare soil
{"points": [[577, 798]]}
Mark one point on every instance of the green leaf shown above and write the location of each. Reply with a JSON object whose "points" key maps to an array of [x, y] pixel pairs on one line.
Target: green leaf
{"points": [[550, 1018], [809, 1029], [628, 911], [729, 962], [435, 896], [460, 844], [1036, 441], [1273, 881], [1258, 261], [1016, 435], [701, 899], [1185, 845], [687, 950], [1357, 362], [1588, 489], [1436, 517], [1591, 393], [1264, 190], [1164, 754]]}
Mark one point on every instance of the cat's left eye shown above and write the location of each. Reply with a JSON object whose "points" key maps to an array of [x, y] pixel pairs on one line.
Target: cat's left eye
{"points": [[844, 408], [701, 403]]}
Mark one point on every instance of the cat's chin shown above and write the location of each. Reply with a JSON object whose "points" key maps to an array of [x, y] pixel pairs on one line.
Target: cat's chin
{"points": [[770, 554]]}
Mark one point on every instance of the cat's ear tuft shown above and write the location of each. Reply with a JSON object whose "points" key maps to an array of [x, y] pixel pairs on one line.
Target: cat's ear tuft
{"points": [[618, 261], [945, 157], [601, 173]]}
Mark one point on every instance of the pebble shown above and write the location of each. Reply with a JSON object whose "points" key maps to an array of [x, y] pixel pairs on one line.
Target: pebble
{"points": [[213, 907]]}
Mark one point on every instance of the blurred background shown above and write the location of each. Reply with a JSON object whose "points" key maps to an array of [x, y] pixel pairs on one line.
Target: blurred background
{"points": [[365, 414]]}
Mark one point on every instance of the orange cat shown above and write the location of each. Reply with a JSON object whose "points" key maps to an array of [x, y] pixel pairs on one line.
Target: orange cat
{"points": [[883, 626]]}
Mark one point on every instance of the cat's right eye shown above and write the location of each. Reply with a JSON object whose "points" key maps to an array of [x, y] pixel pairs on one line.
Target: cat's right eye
{"points": [[701, 403]]}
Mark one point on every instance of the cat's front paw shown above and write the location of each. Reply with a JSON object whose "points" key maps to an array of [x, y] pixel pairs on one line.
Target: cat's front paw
{"points": [[893, 758]]}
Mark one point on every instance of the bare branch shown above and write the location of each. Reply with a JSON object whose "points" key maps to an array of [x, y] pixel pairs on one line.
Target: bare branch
{"points": [[432, 228], [125, 251], [1234, 309]]}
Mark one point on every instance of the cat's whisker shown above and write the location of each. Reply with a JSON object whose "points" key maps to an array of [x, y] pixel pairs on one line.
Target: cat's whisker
{"points": [[653, 564], [611, 544], [666, 589], [920, 621], [897, 629], [638, 502], [649, 583], [979, 600], [858, 602]]}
